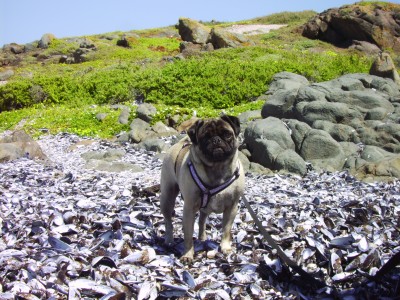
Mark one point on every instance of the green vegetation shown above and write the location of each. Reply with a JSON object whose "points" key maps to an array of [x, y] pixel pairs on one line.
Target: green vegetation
{"points": [[63, 97], [61, 118], [285, 17]]}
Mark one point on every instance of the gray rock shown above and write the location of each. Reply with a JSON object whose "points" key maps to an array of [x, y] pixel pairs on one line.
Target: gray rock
{"points": [[5, 75], [322, 151], [350, 149], [139, 130], [366, 47], [290, 161], [310, 93], [383, 66], [221, 38], [270, 128], [310, 112], [340, 132], [286, 81], [193, 31], [374, 154], [298, 130], [101, 116], [125, 113], [18, 145], [14, 48], [354, 109], [163, 130], [348, 23], [248, 116], [124, 116], [154, 145], [146, 112], [123, 137], [46, 40], [265, 152], [379, 134], [124, 42], [385, 169], [280, 104]]}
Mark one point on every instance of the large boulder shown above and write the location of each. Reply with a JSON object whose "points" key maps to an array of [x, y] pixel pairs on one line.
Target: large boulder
{"points": [[146, 112], [14, 48], [290, 161], [384, 66], [377, 23], [298, 131], [340, 132], [348, 122], [221, 38], [282, 92], [322, 151], [19, 144], [310, 112], [387, 168], [46, 40], [269, 129], [140, 130], [5, 75], [271, 145], [193, 31]]}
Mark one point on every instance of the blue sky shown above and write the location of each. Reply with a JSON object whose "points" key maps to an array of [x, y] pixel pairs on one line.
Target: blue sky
{"points": [[24, 21]]}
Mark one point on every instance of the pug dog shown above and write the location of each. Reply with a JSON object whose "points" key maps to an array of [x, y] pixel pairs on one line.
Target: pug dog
{"points": [[205, 168]]}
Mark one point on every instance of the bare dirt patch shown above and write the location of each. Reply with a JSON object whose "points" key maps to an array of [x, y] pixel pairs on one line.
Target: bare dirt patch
{"points": [[254, 28]]}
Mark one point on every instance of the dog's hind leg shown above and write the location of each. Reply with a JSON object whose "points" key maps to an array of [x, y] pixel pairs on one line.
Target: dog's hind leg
{"points": [[169, 192]]}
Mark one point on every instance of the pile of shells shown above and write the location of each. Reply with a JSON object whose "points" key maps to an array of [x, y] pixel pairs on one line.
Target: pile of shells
{"points": [[73, 233]]}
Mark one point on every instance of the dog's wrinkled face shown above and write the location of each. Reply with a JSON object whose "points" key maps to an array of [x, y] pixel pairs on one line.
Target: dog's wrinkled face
{"points": [[216, 138]]}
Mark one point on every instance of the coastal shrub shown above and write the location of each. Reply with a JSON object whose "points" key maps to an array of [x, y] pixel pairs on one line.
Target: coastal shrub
{"points": [[220, 79], [230, 77], [15, 95], [64, 118]]}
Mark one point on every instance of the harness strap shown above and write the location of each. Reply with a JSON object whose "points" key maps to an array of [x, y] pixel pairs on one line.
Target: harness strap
{"points": [[208, 192], [181, 154], [285, 259]]}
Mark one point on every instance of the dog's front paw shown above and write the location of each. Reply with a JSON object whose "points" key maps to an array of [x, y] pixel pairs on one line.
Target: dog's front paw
{"points": [[226, 248], [187, 257]]}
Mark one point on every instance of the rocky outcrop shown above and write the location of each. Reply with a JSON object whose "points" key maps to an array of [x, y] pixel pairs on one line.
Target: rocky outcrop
{"points": [[5, 75], [45, 41], [193, 31], [198, 37], [80, 55], [146, 112], [351, 122], [376, 23], [383, 66], [19, 144], [221, 38]]}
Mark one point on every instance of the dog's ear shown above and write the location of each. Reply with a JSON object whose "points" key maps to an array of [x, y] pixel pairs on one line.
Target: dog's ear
{"points": [[192, 132], [234, 122]]}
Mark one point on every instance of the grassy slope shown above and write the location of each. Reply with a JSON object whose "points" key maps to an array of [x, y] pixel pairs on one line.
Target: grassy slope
{"points": [[63, 97]]}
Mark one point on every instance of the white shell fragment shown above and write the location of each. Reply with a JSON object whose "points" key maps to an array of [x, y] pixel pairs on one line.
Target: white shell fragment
{"points": [[75, 233]]}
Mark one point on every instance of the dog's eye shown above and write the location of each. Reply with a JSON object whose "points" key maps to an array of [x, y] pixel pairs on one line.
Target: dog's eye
{"points": [[228, 135]]}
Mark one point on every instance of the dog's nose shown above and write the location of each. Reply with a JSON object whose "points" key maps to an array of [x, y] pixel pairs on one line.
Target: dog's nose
{"points": [[216, 140]]}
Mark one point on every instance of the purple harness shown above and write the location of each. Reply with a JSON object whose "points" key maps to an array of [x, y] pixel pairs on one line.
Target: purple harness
{"points": [[207, 191]]}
